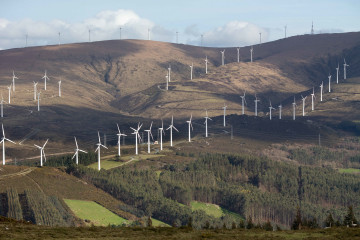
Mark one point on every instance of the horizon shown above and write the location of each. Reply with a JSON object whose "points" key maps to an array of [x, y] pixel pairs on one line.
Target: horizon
{"points": [[225, 24]]}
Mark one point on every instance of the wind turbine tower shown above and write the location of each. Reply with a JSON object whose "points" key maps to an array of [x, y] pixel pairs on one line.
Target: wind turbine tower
{"points": [[190, 126], [312, 28], [303, 105], [329, 77], [169, 69], [256, 103], [271, 108], [38, 98], [321, 91], [45, 77], [9, 88], [137, 137], [2, 106], [171, 127], [222, 57], [206, 65], [98, 150], [224, 107], [337, 74], [3, 143], [191, 71], [77, 152], [42, 152], [167, 81], [238, 54], [119, 139], [280, 108], [13, 81], [260, 37], [294, 108], [161, 132], [285, 27], [206, 125], [243, 100], [312, 99], [251, 54], [59, 88], [345, 65], [35, 89], [149, 134]]}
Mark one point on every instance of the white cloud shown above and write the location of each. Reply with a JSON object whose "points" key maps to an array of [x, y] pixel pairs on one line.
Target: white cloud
{"points": [[105, 25], [235, 33]]}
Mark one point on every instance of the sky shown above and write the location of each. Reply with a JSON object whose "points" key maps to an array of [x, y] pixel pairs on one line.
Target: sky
{"points": [[221, 23]]}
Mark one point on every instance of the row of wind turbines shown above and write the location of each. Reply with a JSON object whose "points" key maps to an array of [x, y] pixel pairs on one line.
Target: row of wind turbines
{"points": [[37, 93]]}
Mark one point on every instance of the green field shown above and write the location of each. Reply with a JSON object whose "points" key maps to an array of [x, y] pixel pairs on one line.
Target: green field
{"points": [[97, 214], [213, 210], [349, 170], [157, 223], [110, 162]]}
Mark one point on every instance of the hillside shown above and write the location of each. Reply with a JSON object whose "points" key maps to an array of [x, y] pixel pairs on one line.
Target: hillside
{"points": [[123, 81]]}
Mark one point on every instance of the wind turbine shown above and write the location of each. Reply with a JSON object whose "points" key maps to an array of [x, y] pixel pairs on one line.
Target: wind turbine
{"points": [[243, 100], [206, 125], [190, 125], [77, 152], [285, 27], [303, 104], [191, 70], [149, 134], [9, 87], [3, 142], [321, 90], [280, 108], [337, 73], [256, 103], [224, 107], [45, 77], [345, 65], [260, 37], [38, 98], [42, 152], [222, 57], [137, 135], [171, 127], [251, 53], [35, 89], [59, 88], [270, 108], [238, 54], [98, 150], [312, 99], [161, 132], [13, 81], [329, 77], [119, 139], [2, 106], [294, 108], [169, 69], [206, 65]]}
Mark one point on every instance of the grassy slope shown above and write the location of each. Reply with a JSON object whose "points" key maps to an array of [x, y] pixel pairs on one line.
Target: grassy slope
{"points": [[213, 210], [63, 186], [350, 170], [97, 214]]}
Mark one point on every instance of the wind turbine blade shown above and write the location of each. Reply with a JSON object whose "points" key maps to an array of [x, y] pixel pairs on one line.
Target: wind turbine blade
{"points": [[76, 143], [133, 129], [140, 126], [210, 118], [2, 125], [175, 129], [74, 155], [191, 127], [151, 136], [37, 146], [10, 140], [44, 154], [45, 143], [97, 149], [104, 146], [99, 137], [118, 127], [151, 125], [82, 151], [169, 127]]}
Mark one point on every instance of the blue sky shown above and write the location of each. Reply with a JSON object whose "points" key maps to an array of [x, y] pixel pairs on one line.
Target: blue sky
{"points": [[216, 20]]}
